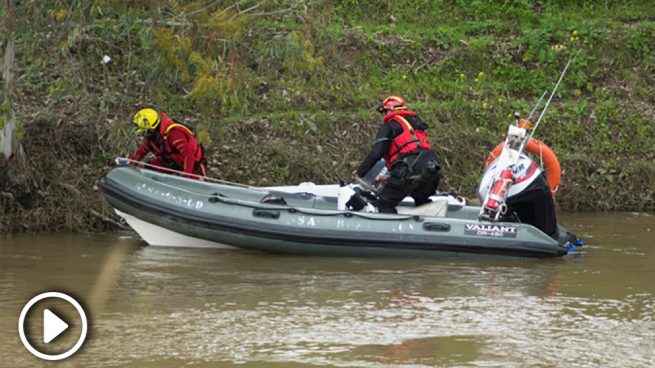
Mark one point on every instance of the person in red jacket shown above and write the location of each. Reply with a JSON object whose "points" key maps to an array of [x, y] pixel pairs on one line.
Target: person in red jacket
{"points": [[404, 144], [172, 143]]}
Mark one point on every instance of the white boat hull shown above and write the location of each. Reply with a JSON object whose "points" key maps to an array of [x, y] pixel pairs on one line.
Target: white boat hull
{"points": [[159, 236]]}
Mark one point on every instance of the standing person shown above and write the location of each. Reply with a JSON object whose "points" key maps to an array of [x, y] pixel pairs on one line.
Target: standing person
{"points": [[172, 143], [404, 144], [514, 188]]}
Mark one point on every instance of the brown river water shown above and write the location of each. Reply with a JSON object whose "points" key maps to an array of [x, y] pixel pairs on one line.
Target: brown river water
{"points": [[170, 307]]}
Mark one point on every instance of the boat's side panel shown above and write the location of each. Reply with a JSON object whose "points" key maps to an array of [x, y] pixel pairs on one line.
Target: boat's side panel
{"points": [[157, 235]]}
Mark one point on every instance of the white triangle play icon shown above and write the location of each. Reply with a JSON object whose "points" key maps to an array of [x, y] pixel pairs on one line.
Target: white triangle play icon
{"points": [[52, 326]]}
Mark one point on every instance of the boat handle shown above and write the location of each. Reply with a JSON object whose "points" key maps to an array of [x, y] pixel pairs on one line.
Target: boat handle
{"points": [[436, 226], [258, 212], [214, 197]]}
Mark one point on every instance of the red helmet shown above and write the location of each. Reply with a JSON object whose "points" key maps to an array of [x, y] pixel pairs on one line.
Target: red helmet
{"points": [[392, 103]]}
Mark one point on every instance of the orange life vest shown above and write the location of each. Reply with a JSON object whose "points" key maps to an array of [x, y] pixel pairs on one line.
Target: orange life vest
{"points": [[410, 140]]}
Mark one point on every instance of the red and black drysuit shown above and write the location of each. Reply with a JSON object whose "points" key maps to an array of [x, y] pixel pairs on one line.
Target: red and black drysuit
{"points": [[174, 147], [413, 165]]}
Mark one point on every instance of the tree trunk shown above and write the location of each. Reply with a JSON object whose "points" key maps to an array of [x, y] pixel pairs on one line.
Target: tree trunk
{"points": [[9, 145]]}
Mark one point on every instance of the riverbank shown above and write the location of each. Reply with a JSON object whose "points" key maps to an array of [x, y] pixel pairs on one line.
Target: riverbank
{"points": [[284, 93]]}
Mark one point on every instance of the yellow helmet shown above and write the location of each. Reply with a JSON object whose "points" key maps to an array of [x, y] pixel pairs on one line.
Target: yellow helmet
{"points": [[146, 119]]}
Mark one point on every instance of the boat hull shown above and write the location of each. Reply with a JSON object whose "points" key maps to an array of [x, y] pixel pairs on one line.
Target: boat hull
{"points": [[156, 235], [220, 214]]}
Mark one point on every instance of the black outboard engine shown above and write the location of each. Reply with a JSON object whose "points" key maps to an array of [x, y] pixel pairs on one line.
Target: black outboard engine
{"points": [[360, 199]]}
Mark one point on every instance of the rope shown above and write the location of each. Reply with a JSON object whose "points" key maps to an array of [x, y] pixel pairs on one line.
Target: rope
{"points": [[123, 161]]}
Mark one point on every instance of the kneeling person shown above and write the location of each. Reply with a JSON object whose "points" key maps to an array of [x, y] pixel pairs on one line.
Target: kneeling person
{"points": [[173, 144], [412, 164]]}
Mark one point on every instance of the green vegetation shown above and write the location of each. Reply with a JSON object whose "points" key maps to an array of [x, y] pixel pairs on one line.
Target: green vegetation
{"points": [[285, 90]]}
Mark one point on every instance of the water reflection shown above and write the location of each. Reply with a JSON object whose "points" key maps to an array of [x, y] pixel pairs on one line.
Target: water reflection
{"points": [[170, 307]]}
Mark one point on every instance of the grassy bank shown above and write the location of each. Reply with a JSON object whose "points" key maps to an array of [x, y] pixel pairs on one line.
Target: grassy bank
{"points": [[282, 91]]}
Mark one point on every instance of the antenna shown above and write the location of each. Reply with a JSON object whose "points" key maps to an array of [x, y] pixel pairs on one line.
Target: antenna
{"points": [[549, 99], [537, 105], [527, 139]]}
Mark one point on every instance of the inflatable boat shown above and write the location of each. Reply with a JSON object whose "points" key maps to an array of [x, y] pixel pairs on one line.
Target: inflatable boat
{"points": [[170, 210]]}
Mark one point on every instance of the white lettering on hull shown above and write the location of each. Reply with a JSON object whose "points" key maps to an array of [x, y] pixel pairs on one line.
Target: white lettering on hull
{"points": [[495, 231]]}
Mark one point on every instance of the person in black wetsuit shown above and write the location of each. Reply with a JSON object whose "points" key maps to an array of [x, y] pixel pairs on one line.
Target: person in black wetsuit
{"points": [[404, 144]]}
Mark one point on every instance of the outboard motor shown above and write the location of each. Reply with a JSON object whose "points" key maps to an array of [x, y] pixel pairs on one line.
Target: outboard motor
{"points": [[356, 198], [344, 194], [362, 200]]}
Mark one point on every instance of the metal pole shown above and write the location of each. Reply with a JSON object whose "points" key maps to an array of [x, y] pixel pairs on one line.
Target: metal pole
{"points": [[527, 139], [549, 99], [537, 105]]}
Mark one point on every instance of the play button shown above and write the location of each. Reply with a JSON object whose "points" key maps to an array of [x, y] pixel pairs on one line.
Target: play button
{"points": [[53, 326], [64, 326]]}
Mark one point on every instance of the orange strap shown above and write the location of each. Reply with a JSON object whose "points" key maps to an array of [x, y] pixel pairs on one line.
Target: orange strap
{"points": [[174, 125]]}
